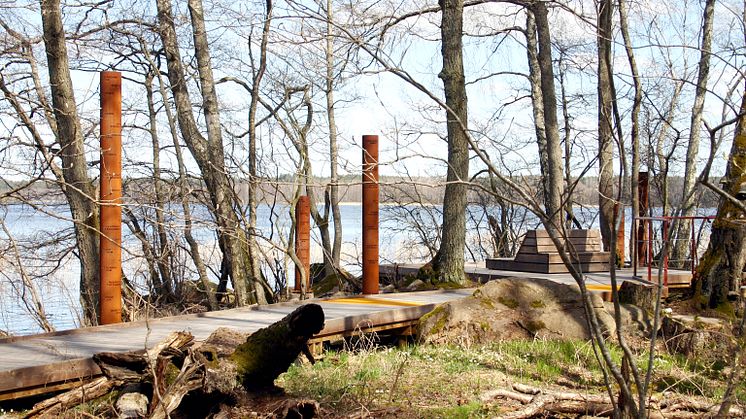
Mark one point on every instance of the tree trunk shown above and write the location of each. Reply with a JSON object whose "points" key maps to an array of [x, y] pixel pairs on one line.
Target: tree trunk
{"points": [[534, 76], [183, 184], [570, 218], [253, 178], [333, 150], [163, 281], [551, 125], [720, 272], [77, 186], [242, 264], [689, 194], [635, 130], [208, 154], [605, 140], [449, 261]]}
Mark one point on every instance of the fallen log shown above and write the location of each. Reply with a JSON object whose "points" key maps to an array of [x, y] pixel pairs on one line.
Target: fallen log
{"points": [[270, 351], [220, 369]]}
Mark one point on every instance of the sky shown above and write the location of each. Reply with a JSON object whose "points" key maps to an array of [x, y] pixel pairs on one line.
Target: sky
{"points": [[408, 122]]}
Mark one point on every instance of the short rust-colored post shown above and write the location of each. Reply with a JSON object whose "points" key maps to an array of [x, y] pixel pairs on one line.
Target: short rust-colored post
{"points": [[370, 214], [641, 238], [110, 246], [303, 242]]}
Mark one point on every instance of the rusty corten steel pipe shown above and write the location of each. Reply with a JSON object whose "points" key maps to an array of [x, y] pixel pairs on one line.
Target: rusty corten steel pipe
{"points": [[110, 245], [370, 214], [303, 241]]}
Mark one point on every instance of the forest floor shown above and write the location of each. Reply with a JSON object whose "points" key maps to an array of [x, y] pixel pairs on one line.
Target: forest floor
{"points": [[369, 376], [453, 382]]}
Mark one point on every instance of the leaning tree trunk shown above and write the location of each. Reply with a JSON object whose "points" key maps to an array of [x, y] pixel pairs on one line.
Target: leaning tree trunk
{"points": [[720, 272], [209, 154], [449, 261], [77, 186]]}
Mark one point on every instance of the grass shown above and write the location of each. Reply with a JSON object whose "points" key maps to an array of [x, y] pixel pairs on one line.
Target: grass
{"points": [[447, 381]]}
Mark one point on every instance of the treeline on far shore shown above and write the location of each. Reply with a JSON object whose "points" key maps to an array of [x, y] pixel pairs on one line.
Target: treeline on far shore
{"points": [[397, 190]]}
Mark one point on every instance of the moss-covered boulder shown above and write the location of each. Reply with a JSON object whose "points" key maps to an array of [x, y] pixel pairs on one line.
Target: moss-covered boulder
{"points": [[339, 281], [510, 309]]}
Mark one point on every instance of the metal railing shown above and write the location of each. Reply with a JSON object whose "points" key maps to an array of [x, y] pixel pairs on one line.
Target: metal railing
{"points": [[646, 243]]}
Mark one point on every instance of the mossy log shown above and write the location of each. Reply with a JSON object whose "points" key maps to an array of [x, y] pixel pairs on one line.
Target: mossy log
{"points": [[179, 378], [270, 351]]}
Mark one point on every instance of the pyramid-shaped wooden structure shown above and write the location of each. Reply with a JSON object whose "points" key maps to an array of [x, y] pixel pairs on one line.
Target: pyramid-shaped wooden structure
{"points": [[538, 254]]}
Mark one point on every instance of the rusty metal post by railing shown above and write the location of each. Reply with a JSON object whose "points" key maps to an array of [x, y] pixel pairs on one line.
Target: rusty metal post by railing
{"points": [[370, 214], [110, 245], [665, 223], [693, 250], [620, 245], [639, 232], [303, 243], [665, 251], [650, 249]]}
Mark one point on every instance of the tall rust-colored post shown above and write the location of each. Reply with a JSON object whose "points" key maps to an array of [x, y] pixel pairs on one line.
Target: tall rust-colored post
{"points": [[303, 241], [370, 214], [642, 232], [110, 247]]}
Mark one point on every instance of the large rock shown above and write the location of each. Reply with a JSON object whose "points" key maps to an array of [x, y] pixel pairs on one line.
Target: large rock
{"points": [[513, 308]]}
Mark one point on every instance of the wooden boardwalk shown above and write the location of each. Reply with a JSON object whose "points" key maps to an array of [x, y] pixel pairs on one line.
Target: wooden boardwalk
{"points": [[40, 363], [45, 362], [595, 281]]}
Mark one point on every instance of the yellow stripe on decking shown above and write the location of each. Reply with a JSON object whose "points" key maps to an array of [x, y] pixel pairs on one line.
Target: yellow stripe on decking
{"points": [[599, 287], [374, 301]]}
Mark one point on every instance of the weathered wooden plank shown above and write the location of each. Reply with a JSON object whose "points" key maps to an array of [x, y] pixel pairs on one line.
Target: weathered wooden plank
{"points": [[586, 257], [49, 375]]}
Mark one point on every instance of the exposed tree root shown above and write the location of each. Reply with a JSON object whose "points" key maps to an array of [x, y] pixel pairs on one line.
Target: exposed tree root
{"points": [[537, 402]]}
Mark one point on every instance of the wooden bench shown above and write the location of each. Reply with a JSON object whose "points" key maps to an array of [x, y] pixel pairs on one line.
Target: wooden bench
{"points": [[538, 254]]}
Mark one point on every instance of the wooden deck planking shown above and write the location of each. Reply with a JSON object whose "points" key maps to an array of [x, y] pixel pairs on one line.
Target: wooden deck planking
{"points": [[49, 359], [601, 280]]}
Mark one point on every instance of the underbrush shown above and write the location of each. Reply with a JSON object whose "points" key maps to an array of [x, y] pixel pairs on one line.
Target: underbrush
{"points": [[447, 381]]}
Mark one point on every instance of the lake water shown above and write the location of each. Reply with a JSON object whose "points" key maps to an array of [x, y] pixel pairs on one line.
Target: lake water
{"points": [[40, 232]]}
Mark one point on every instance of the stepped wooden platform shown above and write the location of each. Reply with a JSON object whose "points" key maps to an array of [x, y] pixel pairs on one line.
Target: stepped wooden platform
{"points": [[48, 362], [538, 254]]}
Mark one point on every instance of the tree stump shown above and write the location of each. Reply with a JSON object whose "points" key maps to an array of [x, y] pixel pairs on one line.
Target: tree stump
{"points": [[640, 295], [268, 352]]}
